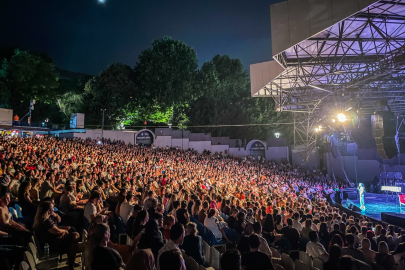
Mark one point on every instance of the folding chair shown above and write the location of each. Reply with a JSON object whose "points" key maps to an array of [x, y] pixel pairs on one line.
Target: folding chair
{"points": [[207, 252], [317, 263], [191, 264], [29, 260], [13, 213], [19, 210], [299, 265], [278, 267], [215, 258], [288, 262], [42, 263], [306, 259], [24, 266], [275, 253]]}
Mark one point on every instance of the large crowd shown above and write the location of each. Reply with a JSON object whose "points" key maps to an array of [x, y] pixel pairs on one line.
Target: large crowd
{"points": [[81, 196]]}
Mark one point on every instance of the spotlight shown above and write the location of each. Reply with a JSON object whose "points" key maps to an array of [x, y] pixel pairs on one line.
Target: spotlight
{"points": [[99, 142], [277, 134], [333, 120], [341, 117], [317, 129]]}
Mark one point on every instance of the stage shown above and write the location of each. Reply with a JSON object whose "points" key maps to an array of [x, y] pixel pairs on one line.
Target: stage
{"points": [[377, 203]]}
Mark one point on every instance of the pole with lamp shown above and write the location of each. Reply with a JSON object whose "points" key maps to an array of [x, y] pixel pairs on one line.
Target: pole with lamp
{"points": [[102, 125]]}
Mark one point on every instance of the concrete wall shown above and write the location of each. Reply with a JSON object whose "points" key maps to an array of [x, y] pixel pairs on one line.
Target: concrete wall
{"points": [[163, 141], [220, 148], [185, 143], [239, 152], [277, 153], [200, 146], [6, 117]]}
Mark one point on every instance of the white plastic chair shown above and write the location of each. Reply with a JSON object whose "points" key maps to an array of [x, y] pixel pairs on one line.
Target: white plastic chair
{"points": [[24, 266], [29, 259], [45, 263], [317, 263], [275, 253], [306, 259], [207, 252], [191, 264], [215, 258], [299, 265], [288, 262], [278, 267]]}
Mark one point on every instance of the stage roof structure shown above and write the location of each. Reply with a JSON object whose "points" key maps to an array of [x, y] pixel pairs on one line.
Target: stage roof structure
{"points": [[331, 56]]}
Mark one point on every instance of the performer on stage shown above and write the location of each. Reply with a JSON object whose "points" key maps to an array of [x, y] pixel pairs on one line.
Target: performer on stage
{"points": [[361, 190]]}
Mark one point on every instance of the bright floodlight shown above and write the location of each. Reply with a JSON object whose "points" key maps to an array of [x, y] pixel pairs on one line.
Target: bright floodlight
{"points": [[333, 120], [277, 134], [101, 1], [317, 129], [341, 117]]}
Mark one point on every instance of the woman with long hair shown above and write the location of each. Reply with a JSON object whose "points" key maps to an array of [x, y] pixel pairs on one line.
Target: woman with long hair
{"points": [[278, 224], [369, 254], [139, 223], [336, 240], [98, 255], [152, 237], [195, 210], [335, 252], [323, 232], [383, 258], [193, 243], [34, 192], [306, 229], [28, 206], [59, 240]]}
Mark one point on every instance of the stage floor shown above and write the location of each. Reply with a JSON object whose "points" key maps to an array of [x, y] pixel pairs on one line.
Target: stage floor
{"points": [[377, 203]]}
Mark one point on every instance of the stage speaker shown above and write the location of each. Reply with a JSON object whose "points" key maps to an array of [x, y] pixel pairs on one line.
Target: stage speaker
{"points": [[349, 193], [350, 205], [383, 124], [386, 147]]}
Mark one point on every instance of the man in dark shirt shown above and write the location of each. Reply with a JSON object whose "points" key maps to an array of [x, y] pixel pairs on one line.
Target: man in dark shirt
{"points": [[203, 212], [182, 214], [256, 260], [350, 250], [291, 234], [336, 231], [232, 219], [382, 237]]}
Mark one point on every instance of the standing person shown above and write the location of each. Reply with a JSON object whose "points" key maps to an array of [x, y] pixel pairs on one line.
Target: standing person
{"points": [[126, 208], [256, 260], [362, 191]]}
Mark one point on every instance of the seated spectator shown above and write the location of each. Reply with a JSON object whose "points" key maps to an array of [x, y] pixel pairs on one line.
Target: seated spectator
{"points": [[203, 213], [171, 260], [382, 237], [182, 215], [256, 260], [29, 207], [334, 257], [399, 257], [243, 244], [264, 246], [369, 254], [212, 223], [99, 255], [20, 235], [350, 250], [231, 260], [370, 236], [336, 230], [383, 258], [90, 210], [316, 249], [232, 219], [139, 224], [131, 221], [152, 237], [193, 244], [336, 240], [126, 208], [141, 260], [59, 240], [177, 234], [168, 222], [291, 234], [306, 229]]}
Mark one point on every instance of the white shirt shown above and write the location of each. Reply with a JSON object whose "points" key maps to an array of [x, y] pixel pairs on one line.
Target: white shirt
{"points": [[89, 210], [315, 250], [297, 225], [168, 246], [212, 225], [126, 210]]}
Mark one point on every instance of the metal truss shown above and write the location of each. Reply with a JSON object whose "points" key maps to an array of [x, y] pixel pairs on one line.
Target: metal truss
{"points": [[359, 60]]}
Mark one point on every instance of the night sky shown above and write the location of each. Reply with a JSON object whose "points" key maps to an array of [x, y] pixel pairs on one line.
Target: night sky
{"points": [[86, 36]]}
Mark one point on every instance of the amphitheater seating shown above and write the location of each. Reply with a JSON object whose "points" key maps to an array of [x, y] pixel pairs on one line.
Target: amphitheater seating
{"points": [[299, 265], [306, 259], [317, 263], [288, 262]]}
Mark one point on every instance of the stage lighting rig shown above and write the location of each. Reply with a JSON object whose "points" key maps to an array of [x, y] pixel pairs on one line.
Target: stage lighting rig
{"points": [[341, 117]]}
